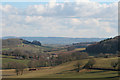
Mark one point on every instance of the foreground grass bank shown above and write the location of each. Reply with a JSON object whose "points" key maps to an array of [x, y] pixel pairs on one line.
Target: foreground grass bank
{"points": [[66, 70]]}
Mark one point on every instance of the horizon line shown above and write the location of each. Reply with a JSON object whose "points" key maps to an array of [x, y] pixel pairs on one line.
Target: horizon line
{"points": [[52, 37]]}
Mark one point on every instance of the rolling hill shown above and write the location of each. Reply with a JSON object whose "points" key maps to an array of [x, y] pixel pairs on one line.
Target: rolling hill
{"points": [[58, 40], [66, 70], [12, 42], [110, 45], [21, 44]]}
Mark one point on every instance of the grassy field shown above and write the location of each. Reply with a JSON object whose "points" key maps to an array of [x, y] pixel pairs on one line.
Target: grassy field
{"points": [[5, 49], [79, 49], [6, 59], [84, 74], [66, 70]]}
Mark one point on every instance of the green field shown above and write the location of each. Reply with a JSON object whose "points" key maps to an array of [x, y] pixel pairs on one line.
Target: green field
{"points": [[7, 59], [66, 70], [89, 74]]}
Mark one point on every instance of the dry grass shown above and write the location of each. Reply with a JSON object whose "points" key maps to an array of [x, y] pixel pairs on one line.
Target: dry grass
{"points": [[64, 70]]}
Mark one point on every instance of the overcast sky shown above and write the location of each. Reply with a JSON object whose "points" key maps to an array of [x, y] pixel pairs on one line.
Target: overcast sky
{"points": [[53, 19]]}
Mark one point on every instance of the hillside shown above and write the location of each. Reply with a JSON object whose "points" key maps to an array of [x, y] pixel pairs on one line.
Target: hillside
{"points": [[59, 40], [82, 44], [12, 44], [66, 70], [55, 63], [105, 46]]}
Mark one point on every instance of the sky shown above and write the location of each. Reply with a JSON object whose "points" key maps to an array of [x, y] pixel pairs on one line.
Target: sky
{"points": [[77, 19]]}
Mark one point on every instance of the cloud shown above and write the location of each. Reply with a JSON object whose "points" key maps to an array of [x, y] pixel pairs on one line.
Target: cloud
{"points": [[52, 4], [88, 19]]}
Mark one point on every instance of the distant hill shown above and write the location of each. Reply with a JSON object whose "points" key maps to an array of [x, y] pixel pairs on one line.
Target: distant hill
{"points": [[59, 40], [83, 44], [25, 46], [110, 45], [13, 42]]}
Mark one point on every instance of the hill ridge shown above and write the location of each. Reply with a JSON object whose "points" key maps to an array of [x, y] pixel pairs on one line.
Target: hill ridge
{"points": [[59, 40]]}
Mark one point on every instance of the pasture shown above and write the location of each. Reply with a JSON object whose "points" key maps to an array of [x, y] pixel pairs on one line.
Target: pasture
{"points": [[66, 70]]}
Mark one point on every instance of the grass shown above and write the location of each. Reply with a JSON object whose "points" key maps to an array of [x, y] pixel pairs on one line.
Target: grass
{"points": [[79, 49], [87, 74], [105, 62], [65, 70], [4, 56], [9, 59], [5, 49]]}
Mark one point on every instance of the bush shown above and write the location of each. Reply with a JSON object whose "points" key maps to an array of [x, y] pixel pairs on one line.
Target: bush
{"points": [[114, 64], [78, 66], [90, 63], [36, 43]]}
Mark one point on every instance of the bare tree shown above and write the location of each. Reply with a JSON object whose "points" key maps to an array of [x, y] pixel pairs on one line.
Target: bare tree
{"points": [[114, 64], [78, 66], [90, 63], [19, 68], [32, 64]]}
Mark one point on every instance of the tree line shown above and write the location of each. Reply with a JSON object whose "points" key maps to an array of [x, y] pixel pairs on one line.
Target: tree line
{"points": [[91, 62], [109, 45], [42, 60]]}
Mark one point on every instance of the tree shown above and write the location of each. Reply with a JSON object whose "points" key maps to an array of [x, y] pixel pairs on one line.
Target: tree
{"points": [[105, 46], [17, 52], [101, 55], [83, 55], [70, 48], [9, 65], [32, 64], [25, 56], [79, 55], [114, 64], [90, 63], [19, 68], [36, 43], [78, 65]]}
